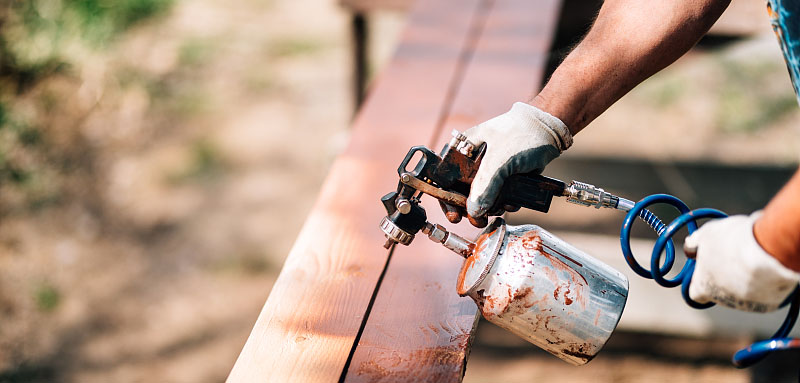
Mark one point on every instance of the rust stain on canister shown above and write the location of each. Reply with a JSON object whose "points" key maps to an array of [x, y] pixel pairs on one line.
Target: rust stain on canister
{"points": [[579, 351], [533, 285], [497, 304], [477, 256], [597, 316], [562, 255], [575, 284]]}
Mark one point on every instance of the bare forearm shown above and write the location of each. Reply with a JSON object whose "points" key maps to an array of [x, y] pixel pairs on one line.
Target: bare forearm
{"points": [[630, 41], [778, 229]]}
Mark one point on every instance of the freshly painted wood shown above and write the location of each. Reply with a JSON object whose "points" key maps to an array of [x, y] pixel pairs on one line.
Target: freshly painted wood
{"points": [[419, 329], [308, 325]]}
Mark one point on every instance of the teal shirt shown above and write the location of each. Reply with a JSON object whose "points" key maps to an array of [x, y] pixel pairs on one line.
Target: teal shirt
{"points": [[785, 18]]}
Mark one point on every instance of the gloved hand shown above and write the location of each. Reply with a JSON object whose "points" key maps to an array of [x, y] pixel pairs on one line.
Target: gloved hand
{"points": [[522, 140], [733, 270]]}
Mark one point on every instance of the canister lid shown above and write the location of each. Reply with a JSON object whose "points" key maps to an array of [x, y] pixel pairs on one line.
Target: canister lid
{"points": [[477, 265]]}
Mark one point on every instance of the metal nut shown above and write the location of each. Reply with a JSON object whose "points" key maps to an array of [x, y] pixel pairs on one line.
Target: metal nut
{"points": [[403, 205]]}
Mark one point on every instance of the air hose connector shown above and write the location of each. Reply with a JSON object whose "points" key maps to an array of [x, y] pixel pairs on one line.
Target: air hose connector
{"points": [[589, 195]]}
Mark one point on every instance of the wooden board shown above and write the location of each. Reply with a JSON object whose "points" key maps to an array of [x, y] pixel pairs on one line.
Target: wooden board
{"points": [[419, 329], [308, 325]]}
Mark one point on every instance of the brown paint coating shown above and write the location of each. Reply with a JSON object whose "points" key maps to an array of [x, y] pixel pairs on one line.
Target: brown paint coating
{"points": [[576, 283], [480, 222], [398, 342], [432, 364], [508, 304], [597, 316], [579, 351], [452, 213], [497, 304], [467, 167], [468, 251], [523, 299], [531, 241], [392, 338], [307, 328], [478, 253], [308, 325], [515, 300], [461, 289], [562, 255], [453, 216]]}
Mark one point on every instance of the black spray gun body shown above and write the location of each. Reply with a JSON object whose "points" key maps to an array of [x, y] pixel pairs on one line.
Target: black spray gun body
{"points": [[448, 176]]}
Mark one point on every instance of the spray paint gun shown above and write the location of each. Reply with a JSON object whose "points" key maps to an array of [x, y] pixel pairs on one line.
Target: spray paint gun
{"points": [[532, 283], [448, 178], [522, 278]]}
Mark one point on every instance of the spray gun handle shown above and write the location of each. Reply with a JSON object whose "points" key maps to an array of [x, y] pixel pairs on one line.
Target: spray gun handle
{"points": [[532, 191]]}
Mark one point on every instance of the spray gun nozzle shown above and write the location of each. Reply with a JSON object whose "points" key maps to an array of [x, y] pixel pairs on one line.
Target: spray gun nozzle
{"points": [[457, 244]]}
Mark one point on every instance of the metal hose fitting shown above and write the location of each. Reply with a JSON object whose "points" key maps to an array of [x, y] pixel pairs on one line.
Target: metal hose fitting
{"points": [[589, 195]]}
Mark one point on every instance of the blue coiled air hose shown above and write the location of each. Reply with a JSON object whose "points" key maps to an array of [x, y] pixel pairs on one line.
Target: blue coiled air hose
{"points": [[742, 358]]}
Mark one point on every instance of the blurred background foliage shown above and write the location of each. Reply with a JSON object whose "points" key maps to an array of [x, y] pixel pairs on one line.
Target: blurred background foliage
{"points": [[39, 37], [148, 195], [40, 40]]}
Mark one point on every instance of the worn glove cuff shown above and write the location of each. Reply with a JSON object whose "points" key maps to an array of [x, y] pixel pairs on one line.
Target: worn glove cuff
{"points": [[554, 126], [767, 268], [734, 270]]}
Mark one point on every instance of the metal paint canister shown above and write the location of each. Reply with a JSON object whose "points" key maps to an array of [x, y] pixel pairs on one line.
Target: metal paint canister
{"points": [[537, 286]]}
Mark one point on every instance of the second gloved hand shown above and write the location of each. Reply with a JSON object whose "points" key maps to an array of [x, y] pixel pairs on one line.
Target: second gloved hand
{"points": [[733, 270], [523, 140]]}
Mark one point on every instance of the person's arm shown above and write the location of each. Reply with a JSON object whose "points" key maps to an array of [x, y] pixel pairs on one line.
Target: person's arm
{"points": [[629, 41], [778, 228]]}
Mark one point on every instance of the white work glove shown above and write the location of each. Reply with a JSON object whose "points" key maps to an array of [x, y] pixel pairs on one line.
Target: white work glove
{"points": [[522, 140], [733, 270]]}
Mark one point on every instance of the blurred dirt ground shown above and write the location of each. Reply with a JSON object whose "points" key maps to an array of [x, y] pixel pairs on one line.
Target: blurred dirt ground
{"points": [[200, 140], [207, 134], [627, 357]]}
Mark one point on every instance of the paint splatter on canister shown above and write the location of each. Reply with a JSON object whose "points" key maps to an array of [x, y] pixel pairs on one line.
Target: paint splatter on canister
{"points": [[530, 282]]}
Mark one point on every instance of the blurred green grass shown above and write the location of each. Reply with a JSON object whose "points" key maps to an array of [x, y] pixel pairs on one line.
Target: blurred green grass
{"points": [[742, 91], [40, 37], [206, 164], [39, 40], [746, 101], [294, 46], [47, 297]]}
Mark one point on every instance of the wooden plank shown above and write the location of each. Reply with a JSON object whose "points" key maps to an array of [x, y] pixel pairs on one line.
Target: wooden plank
{"points": [[419, 328], [509, 61], [308, 326]]}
